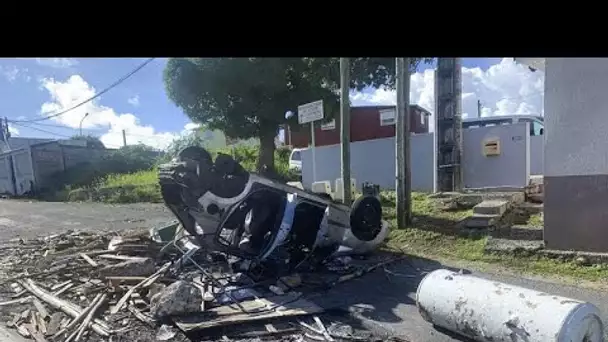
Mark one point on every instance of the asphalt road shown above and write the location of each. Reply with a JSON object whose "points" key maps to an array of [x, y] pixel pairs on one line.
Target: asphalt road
{"points": [[31, 219], [382, 300]]}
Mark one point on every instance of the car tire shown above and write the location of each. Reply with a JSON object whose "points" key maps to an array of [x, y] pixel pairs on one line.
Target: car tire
{"points": [[366, 218]]}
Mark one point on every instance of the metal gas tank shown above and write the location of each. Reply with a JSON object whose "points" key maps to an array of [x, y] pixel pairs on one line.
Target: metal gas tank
{"points": [[485, 310]]}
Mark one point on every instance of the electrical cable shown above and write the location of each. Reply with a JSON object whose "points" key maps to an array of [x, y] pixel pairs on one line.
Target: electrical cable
{"points": [[119, 81], [61, 126], [40, 130]]}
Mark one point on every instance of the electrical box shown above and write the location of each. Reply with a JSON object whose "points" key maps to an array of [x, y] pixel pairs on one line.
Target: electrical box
{"points": [[491, 147]]}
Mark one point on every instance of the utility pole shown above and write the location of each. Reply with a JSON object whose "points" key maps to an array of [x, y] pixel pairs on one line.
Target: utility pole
{"points": [[448, 124], [345, 129], [478, 108], [2, 131], [402, 143], [124, 137], [5, 132]]}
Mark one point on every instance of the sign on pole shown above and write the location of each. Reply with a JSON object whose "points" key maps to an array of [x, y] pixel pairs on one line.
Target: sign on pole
{"points": [[309, 113]]}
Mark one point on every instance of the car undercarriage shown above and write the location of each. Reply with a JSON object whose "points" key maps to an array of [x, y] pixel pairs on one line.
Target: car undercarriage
{"points": [[261, 221]]}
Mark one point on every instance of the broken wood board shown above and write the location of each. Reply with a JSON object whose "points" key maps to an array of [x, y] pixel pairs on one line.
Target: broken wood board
{"points": [[280, 306]]}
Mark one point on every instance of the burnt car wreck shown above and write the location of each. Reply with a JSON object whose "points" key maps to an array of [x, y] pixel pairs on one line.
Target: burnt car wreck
{"points": [[261, 222]]}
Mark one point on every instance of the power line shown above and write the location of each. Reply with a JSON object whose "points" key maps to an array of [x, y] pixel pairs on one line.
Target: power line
{"points": [[119, 81], [59, 126], [40, 130]]}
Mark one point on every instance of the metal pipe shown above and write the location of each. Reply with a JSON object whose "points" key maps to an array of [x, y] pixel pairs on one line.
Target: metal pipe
{"points": [[485, 310]]}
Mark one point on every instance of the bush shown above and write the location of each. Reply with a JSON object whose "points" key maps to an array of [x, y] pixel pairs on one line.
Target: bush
{"points": [[129, 175], [125, 160]]}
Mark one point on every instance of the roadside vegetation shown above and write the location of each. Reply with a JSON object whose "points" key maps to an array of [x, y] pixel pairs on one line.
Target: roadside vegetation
{"points": [[129, 175], [434, 235]]}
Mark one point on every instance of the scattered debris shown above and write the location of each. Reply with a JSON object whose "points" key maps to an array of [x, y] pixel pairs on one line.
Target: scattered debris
{"points": [[81, 286], [177, 299]]}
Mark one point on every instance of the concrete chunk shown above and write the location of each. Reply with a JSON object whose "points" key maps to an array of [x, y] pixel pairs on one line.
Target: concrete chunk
{"points": [[491, 207], [176, 299], [513, 246], [481, 221], [131, 268]]}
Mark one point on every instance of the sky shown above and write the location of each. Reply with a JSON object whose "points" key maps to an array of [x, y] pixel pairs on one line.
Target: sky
{"points": [[31, 88]]}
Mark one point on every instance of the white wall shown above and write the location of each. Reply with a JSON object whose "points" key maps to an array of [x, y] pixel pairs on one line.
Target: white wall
{"points": [[374, 161], [509, 169], [537, 154]]}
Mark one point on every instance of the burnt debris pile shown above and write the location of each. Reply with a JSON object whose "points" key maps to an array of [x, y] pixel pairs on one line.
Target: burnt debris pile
{"points": [[160, 285]]}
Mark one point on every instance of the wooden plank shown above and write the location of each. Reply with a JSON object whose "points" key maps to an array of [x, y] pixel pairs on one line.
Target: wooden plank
{"points": [[35, 333], [17, 301], [89, 260], [60, 285], [121, 257], [228, 315], [270, 328], [41, 309], [65, 288]]}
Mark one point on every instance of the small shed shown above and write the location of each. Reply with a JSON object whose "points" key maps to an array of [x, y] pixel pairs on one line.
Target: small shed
{"points": [[27, 169]]}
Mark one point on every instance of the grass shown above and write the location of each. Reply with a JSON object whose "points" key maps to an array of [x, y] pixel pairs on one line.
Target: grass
{"points": [[535, 220], [432, 235], [141, 186], [139, 178]]}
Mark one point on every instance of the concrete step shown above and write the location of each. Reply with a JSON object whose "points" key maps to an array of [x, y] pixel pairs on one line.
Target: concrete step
{"points": [[509, 246], [535, 191], [519, 232], [527, 233], [468, 200], [532, 208], [481, 221], [491, 207]]}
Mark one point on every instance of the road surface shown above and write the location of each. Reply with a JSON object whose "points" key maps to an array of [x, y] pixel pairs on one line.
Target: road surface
{"points": [[383, 299], [31, 219]]}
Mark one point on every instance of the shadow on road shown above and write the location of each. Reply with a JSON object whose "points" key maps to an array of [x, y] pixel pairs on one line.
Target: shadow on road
{"points": [[386, 297]]}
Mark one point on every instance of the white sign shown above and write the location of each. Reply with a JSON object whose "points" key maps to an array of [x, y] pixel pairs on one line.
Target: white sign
{"points": [[329, 126], [310, 112]]}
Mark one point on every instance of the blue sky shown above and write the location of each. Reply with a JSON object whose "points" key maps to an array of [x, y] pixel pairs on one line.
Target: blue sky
{"points": [[140, 105]]}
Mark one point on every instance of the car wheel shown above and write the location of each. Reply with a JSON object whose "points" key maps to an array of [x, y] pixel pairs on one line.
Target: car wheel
{"points": [[366, 218]]}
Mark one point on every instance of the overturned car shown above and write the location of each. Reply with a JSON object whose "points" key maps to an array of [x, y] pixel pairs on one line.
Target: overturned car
{"points": [[230, 210]]}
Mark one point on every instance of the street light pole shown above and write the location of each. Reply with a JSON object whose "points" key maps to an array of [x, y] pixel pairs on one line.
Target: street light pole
{"points": [[81, 120]]}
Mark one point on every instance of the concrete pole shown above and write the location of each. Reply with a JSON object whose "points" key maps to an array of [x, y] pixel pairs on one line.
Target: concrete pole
{"points": [[124, 137], [402, 141], [345, 129]]}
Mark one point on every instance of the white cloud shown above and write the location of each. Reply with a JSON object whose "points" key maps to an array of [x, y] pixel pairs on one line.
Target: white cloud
{"points": [[66, 94], [12, 73], [13, 131], [505, 88], [191, 126], [134, 101], [57, 62]]}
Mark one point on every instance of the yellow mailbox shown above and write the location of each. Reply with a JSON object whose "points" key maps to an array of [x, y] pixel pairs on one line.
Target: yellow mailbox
{"points": [[491, 147]]}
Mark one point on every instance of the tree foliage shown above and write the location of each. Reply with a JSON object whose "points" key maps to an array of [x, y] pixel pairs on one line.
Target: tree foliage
{"points": [[248, 97]]}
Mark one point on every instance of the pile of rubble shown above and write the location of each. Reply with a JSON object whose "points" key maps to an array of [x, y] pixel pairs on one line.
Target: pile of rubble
{"points": [[82, 286]]}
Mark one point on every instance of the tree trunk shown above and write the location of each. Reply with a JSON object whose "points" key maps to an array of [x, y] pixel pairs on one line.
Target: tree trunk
{"points": [[266, 159]]}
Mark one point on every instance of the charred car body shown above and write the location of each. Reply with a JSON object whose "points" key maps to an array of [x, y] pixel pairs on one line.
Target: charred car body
{"points": [[230, 210]]}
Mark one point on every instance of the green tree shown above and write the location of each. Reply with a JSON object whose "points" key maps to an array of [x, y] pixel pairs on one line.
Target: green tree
{"points": [[248, 97], [92, 141]]}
